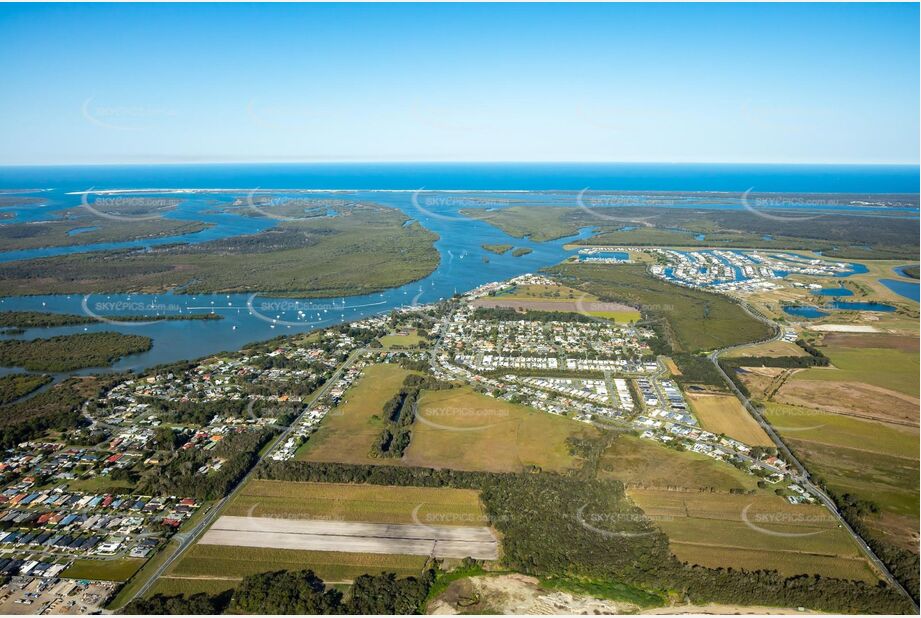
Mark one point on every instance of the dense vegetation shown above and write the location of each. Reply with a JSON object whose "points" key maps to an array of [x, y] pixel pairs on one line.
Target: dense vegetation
{"points": [[299, 593], [689, 320], [836, 235], [200, 604], [70, 352], [497, 249], [18, 236], [180, 475], [912, 271], [17, 385], [366, 248], [399, 413], [42, 319], [57, 408], [554, 525], [697, 370]]}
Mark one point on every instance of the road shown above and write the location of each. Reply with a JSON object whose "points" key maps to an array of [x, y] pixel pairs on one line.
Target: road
{"points": [[188, 537], [802, 477]]}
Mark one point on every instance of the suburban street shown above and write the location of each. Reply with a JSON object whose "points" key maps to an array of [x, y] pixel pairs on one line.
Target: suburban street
{"points": [[188, 537]]}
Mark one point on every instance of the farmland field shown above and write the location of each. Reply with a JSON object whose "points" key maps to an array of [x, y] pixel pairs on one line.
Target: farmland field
{"points": [[349, 430], [850, 398], [636, 461], [724, 414], [352, 502], [222, 563], [169, 585], [753, 532], [872, 461], [888, 368], [462, 429]]}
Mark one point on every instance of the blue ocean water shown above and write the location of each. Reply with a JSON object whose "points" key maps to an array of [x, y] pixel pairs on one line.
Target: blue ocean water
{"points": [[478, 176]]}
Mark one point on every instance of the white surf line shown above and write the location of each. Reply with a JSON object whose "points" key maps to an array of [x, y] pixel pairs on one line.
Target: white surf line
{"points": [[247, 190]]}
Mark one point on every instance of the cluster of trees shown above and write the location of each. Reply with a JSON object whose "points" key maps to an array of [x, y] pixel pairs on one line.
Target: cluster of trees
{"points": [[70, 352], [14, 386], [903, 564], [200, 604], [193, 412], [399, 412], [820, 359], [180, 477], [302, 592], [57, 408], [42, 319], [298, 593], [556, 525], [697, 370]]}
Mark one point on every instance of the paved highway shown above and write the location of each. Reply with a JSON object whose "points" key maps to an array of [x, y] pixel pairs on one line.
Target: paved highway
{"points": [[802, 477]]}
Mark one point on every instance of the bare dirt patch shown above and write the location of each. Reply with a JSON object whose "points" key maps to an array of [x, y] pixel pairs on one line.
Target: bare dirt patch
{"points": [[872, 340], [517, 594]]}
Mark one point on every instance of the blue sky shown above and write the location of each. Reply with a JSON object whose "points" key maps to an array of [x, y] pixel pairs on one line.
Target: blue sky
{"points": [[783, 83]]}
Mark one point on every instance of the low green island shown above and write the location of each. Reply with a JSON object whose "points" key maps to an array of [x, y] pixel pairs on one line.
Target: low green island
{"points": [[365, 248], [71, 352], [497, 249], [18, 320]]}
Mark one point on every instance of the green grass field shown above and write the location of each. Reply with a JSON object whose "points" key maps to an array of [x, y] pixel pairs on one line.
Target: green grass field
{"points": [[871, 460], [170, 586], [837, 430], [225, 562], [464, 430], [888, 368], [388, 341], [116, 570], [349, 430], [364, 503], [635, 460]]}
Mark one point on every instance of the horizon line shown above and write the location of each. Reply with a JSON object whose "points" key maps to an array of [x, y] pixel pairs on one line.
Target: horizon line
{"points": [[454, 162]]}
